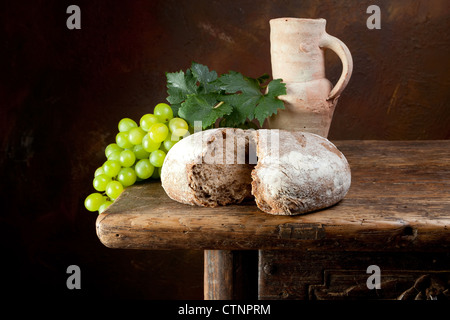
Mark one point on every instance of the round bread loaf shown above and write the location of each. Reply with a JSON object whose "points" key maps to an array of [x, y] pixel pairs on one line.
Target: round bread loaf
{"points": [[208, 168], [298, 172], [295, 172]]}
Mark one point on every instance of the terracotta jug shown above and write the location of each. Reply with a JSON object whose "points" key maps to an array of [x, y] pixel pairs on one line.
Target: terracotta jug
{"points": [[297, 56]]}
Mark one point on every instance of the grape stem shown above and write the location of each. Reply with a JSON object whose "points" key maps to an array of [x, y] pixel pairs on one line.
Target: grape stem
{"points": [[218, 104]]}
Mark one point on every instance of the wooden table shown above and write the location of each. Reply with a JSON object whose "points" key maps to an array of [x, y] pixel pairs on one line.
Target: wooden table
{"points": [[396, 216]]}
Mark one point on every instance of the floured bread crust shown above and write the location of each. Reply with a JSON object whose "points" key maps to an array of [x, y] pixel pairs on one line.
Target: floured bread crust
{"points": [[305, 174], [296, 172], [203, 171]]}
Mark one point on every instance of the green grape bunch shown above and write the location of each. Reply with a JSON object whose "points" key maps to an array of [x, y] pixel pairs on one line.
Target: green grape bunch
{"points": [[137, 154]]}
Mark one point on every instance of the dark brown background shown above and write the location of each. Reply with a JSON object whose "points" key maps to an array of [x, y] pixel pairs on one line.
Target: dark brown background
{"points": [[63, 92]]}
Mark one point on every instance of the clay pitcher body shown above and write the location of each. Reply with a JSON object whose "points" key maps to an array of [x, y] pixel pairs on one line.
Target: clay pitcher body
{"points": [[297, 56]]}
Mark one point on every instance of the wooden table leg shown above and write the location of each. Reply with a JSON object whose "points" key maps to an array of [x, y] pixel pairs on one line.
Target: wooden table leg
{"points": [[230, 275]]}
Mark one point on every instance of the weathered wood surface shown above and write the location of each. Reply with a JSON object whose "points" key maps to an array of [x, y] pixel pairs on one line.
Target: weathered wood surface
{"points": [[399, 201], [218, 275], [230, 275], [318, 275]]}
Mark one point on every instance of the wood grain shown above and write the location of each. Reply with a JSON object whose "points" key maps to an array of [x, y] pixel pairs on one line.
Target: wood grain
{"points": [[218, 275], [319, 275], [230, 275], [399, 201]]}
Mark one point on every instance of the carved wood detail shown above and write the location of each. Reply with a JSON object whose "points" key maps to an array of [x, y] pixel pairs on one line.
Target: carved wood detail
{"points": [[395, 285]]}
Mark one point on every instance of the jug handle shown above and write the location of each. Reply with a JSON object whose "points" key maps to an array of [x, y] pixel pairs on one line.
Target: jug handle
{"points": [[333, 43]]}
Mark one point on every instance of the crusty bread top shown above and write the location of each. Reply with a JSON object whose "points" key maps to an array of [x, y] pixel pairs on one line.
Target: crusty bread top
{"points": [[296, 172], [205, 147], [303, 172]]}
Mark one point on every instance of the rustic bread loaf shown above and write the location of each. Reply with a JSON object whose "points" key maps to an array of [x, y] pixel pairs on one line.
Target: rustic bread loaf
{"points": [[295, 172], [304, 172], [208, 168]]}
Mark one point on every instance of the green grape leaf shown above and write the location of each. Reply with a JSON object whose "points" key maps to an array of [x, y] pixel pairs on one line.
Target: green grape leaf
{"points": [[234, 82], [269, 103], [243, 108], [205, 108], [250, 103], [179, 85], [276, 88], [204, 77], [175, 107], [200, 95], [263, 78]]}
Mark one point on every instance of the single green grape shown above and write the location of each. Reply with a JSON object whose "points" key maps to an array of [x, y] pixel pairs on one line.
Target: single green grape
{"points": [[114, 155], [127, 177], [140, 152], [144, 169], [156, 173], [170, 142], [104, 206], [127, 158], [101, 181], [122, 140], [114, 189], [99, 171], [157, 158], [163, 112], [158, 132], [111, 168], [111, 148], [147, 120], [94, 201], [126, 124], [135, 135], [149, 145], [179, 127]]}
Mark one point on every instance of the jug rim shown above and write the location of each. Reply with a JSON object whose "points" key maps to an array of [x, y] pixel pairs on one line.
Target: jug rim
{"points": [[293, 19]]}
